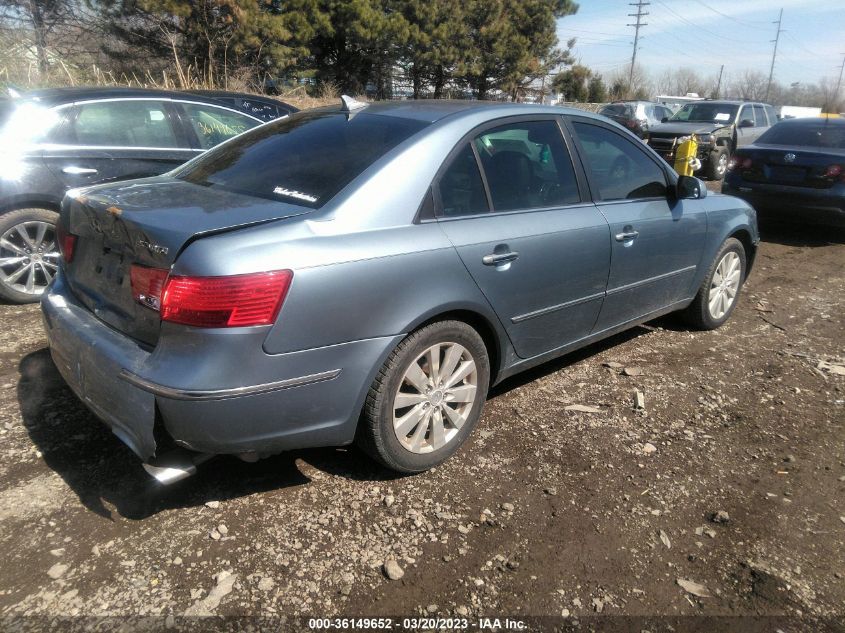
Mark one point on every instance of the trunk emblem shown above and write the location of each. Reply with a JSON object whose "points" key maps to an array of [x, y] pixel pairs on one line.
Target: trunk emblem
{"points": [[155, 249], [789, 157]]}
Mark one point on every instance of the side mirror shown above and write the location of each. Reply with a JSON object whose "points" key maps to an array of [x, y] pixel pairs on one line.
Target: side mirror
{"points": [[664, 119], [746, 123], [690, 188]]}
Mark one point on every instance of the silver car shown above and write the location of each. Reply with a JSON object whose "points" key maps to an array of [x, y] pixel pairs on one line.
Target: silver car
{"points": [[365, 273]]}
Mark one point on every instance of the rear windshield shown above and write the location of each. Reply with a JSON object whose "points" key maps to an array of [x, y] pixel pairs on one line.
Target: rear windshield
{"points": [[706, 113], [305, 159], [616, 109], [821, 135]]}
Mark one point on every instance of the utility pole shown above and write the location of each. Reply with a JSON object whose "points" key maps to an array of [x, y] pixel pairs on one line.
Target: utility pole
{"points": [[719, 83], [839, 81], [640, 14], [774, 54]]}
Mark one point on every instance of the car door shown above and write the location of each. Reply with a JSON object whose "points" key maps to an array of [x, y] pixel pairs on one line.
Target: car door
{"points": [[656, 241], [118, 139], [747, 128], [510, 201], [209, 125]]}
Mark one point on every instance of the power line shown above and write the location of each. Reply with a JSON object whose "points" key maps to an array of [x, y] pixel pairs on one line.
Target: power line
{"points": [[774, 53], [839, 81], [640, 14]]}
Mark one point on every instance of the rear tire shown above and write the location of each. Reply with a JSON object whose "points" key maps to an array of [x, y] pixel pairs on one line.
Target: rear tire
{"points": [[717, 165], [719, 293], [427, 398], [29, 253]]}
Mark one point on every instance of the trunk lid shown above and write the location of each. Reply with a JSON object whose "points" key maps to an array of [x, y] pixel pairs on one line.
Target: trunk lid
{"points": [[147, 223], [790, 166]]}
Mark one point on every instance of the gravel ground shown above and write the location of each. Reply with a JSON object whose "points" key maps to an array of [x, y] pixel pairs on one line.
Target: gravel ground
{"points": [[723, 496]]}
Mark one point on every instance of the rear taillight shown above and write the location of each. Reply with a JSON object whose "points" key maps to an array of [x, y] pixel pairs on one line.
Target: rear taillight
{"points": [[66, 242], [147, 285], [235, 301], [834, 172]]}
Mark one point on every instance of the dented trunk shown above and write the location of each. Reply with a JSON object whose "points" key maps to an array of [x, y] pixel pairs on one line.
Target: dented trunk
{"points": [[146, 223]]}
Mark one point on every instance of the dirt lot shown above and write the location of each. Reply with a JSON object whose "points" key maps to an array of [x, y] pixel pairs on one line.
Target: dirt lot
{"points": [[547, 511]]}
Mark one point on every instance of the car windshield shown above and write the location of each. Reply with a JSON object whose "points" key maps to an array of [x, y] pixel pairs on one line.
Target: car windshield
{"points": [[616, 109], [803, 135], [706, 113], [305, 159]]}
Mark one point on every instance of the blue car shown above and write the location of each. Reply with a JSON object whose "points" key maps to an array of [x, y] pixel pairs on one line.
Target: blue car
{"points": [[795, 172], [366, 273]]}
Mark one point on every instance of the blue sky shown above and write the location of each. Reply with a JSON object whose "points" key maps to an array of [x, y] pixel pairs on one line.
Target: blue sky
{"points": [[703, 34]]}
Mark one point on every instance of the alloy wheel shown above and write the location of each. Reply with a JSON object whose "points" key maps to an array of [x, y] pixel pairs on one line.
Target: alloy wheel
{"points": [[29, 257], [725, 285], [722, 164], [435, 397]]}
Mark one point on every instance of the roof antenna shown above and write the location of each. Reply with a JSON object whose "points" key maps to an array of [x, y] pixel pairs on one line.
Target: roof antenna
{"points": [[351, 106]]}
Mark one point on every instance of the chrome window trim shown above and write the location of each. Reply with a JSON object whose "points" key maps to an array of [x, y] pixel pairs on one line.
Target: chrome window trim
{"points": [[223, 394]]}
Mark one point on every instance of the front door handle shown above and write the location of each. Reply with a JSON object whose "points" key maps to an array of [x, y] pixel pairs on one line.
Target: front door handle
{"points": [[78, 171], [627, 234], [497, 259]]}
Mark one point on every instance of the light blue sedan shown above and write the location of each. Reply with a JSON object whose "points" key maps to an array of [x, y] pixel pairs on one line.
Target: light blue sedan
{"points": [[367, 272]]}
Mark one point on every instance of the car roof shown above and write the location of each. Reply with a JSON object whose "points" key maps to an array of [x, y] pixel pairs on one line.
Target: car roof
{"points": [[815, 121], [59, 96], [432, 110]]}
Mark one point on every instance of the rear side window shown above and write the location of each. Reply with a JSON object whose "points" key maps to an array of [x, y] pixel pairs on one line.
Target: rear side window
{"points": [[760, 115], [304, 159], [620, 169], [527, 166], [773, 115], [214, 125], [139, 123], [461, 188], [616, 109]]}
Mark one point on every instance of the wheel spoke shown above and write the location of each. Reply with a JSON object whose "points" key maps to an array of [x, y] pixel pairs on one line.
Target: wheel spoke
{"points": [[463, 370], [21, 229], [404, 399], [8, 261], [416, 377], [724, 304], [455, 418], [438, 435], [451, 359], [433, 358], [406, 423], [4, 243], [39, 234], [419, 435], [10, 279], [464, 393], [714, 303], [46, 272], [30, 280]]}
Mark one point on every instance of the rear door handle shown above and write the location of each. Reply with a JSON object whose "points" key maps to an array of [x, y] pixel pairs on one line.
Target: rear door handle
{"points": [[78, 171], [497, 259], [625, 235]]}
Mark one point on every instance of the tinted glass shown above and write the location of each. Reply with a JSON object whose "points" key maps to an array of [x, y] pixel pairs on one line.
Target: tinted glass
{"points": [[616, 109], [747, 114], [527, 166], [124, 124], [26, 122], [773, 115], [304, 159], [760, 115], [620, 168], [214, 125], [804, 135], [461, 189], [706, 113]]}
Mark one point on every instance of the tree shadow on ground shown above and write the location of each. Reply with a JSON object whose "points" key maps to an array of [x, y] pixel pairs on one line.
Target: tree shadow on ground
{"points": [[795, 234]]}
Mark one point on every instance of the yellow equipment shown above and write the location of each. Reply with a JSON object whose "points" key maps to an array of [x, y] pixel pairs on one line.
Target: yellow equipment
{"points": [[686, 150]]}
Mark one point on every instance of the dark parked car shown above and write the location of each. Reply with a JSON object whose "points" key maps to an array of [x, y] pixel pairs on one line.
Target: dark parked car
{"points": [[637, 116], [720, 127], [795, 171], [264, 108], [52, 140], [369, 272]]}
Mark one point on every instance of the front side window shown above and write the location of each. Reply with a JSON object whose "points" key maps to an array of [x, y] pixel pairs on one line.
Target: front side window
{"points": [[304, 159], [620, 169], [527, 166], [747, 114], [138, 123], [214, 125]]}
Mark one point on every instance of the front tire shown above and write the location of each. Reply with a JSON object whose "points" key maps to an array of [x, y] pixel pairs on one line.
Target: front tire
{"points": [[29, 253], [717, 165], [427, 398], [718, 295]]}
